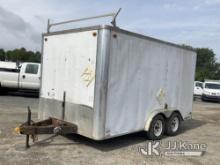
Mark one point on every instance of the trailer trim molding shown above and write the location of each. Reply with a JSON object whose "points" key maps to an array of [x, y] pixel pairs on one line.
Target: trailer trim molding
{"points": [[102, 65]]}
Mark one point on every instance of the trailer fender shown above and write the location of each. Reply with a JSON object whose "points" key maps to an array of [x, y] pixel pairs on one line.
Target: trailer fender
{"points": [[166, 113]]}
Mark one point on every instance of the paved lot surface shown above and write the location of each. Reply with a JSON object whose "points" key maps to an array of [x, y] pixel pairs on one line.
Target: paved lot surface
{"points": [[204, 128]]}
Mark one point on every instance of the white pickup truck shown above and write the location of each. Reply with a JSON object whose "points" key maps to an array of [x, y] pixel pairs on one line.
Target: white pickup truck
{"points": [[19, 77]]}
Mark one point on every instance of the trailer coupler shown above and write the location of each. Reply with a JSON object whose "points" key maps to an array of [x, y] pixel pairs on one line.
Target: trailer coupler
{"points": [[48, 126]]}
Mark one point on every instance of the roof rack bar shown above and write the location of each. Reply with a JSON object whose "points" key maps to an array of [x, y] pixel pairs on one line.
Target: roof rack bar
{"points": [[113, 22]]}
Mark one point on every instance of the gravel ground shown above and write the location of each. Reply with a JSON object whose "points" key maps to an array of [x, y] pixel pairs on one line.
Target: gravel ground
{"points": [[75, 149]]}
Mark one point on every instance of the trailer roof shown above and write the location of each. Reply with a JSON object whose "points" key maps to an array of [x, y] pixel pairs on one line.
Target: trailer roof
{"points": [[116, 29]]}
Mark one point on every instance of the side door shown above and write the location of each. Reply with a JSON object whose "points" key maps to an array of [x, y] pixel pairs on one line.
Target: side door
{"points": [[30, 76]]}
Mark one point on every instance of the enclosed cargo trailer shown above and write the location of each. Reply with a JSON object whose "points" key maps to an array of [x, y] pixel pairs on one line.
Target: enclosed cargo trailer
{"points": [[114, 81]]}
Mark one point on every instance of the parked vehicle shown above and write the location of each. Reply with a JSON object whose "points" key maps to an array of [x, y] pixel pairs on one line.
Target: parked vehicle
{"points": [[110, 82], [198, 88], [19, 77], [211, 90]]}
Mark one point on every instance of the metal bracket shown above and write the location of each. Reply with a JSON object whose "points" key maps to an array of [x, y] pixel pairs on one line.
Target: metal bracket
{"points": [[114, 18], [113, 22], [28, 124], [63, 106]]}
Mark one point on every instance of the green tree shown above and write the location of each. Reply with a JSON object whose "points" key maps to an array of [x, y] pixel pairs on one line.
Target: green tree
{"points": [[206, 65], [2, 55], [22, 55]]}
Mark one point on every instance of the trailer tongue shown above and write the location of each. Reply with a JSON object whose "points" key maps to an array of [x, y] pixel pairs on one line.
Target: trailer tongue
{"points": [[48, 126]]}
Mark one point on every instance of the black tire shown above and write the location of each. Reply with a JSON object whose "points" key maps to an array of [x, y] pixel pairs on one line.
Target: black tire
{"points": [[151, 132], [203, 98], [172, 128]]}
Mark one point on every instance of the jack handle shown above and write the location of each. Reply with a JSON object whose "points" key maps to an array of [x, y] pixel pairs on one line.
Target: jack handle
{"points": [[28, 123]]}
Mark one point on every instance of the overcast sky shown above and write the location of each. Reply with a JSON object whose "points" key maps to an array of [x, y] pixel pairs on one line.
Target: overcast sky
{"points": [[191, 22]]}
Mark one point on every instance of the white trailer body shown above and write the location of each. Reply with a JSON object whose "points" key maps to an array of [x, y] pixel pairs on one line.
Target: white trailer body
{"points": [[114, 81]]}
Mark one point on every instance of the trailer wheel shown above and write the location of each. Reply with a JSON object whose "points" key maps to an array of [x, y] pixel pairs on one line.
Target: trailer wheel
{"points": [[156, 129], [173, 124]]}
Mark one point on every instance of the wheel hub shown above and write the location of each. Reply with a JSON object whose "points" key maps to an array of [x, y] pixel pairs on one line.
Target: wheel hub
{"points": [[158, 128], [175, 124]]}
